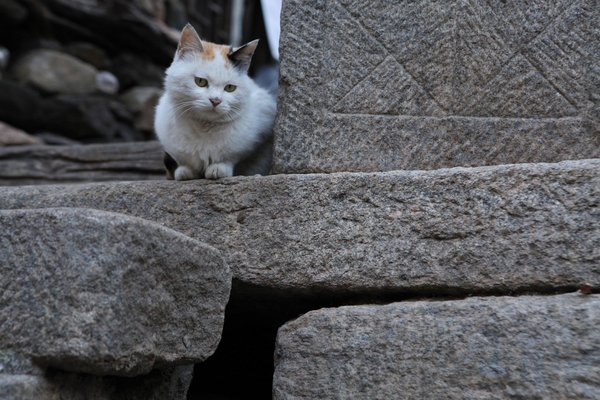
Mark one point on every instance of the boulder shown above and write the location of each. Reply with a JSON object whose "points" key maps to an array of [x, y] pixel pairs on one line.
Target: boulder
{"points": [[141, 101], [526, 227], [104, 293], [9, 135], [90, 118], [380, 85], [118, 24], [529, 347], [56, 72], [20, 379], [34, 165], [89, 53]]}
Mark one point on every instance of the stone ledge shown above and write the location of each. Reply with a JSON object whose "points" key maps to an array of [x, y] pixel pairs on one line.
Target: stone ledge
{"points": [[498, 229], [478, 348], [104, 293], [29, 165]]}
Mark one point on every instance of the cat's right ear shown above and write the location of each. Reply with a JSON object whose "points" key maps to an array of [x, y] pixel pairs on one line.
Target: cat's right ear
{"points": [[189, 42]]}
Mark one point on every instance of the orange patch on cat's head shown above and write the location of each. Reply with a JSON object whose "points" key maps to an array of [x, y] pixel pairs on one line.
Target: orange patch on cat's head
{"points": [[190, 42], [209, 51]]}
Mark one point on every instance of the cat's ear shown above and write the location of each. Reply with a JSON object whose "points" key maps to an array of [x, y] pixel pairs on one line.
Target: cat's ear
{"points": [[189, 42], [242, 56]]}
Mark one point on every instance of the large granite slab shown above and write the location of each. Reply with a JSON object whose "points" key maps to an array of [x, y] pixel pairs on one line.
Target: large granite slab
{"points": [[462, 230], [528, 347], [384, 85], [104, 293]]}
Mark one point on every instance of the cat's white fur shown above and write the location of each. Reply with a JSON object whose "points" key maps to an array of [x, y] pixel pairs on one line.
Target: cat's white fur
{"points": [[207, 141]]}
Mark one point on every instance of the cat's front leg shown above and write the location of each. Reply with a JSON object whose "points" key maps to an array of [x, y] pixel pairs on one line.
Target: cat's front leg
{"points": [[219, 170], [184, 173]]}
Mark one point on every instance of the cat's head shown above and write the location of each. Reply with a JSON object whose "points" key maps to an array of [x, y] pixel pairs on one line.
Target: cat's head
{"points": [[209, 81]]}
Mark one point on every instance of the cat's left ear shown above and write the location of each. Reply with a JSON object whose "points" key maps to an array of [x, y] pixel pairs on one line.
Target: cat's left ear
{"points": [[242, 56]]}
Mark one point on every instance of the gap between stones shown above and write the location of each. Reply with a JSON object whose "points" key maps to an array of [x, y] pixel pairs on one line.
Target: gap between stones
{"points": [[242, 366]]}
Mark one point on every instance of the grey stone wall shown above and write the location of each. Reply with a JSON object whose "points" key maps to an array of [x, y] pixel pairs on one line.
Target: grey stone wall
{"points": [[526, 347], [383, 85], [120, 283]]}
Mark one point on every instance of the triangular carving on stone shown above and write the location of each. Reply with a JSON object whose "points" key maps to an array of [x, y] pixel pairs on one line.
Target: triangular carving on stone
{"points": [[349, 45], [519, 90], [389, 90]]}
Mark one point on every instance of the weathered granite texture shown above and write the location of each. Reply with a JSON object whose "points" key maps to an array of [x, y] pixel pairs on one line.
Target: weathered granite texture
{"points": [[479, 348], [29, 165], [384, 85], [103, 293], [504, 228], [20, 379]]}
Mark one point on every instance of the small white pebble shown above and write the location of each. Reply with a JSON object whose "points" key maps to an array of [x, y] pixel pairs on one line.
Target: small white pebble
{"points": [[4, 57], [107, 83]]}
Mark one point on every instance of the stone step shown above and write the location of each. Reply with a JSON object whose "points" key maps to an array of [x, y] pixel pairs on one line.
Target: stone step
{"points": [[34, 165], [526, 347], [20, 379], [463, 230], [424, 85], [104, 293]]}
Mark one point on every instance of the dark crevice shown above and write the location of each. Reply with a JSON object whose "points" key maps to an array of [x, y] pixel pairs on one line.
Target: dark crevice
{"points": [[242, 366]]}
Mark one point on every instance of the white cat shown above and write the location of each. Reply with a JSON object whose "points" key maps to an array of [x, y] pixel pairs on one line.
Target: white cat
{"points": [[212, 114]]}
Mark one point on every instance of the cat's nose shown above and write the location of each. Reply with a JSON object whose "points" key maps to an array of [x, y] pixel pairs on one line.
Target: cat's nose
{"points": [[215, 101]]}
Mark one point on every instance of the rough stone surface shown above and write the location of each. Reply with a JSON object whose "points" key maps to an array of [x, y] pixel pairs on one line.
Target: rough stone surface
{"points": [[104, 293], [34, 165], [20, 379], [9, 135], [384, 85], [479, 348], [504, 228], [56, 72]]}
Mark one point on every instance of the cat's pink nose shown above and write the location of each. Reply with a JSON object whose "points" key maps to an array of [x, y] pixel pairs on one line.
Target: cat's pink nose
{"points": [[215, 101]]}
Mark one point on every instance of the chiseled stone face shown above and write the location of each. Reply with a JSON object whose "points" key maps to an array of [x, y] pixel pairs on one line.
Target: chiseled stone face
{"points": [[462, 230], [383, 85], [527, 347], [104, 293]]}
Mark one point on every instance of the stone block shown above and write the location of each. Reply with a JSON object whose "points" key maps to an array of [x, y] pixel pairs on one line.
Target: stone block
{"points": [[462, 230], [528, 347], [385, 85], [104, 293]]}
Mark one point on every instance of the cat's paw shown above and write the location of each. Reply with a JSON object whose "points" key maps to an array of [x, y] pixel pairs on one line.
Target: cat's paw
{"points": [[184, 173], [219, 170]]}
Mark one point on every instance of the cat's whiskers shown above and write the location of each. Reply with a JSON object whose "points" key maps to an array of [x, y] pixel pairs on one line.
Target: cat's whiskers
{"points": [[183, 107]]}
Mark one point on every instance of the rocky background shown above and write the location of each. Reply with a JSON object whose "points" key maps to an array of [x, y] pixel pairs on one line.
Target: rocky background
{"points": [[433, 230], [91, 71]]}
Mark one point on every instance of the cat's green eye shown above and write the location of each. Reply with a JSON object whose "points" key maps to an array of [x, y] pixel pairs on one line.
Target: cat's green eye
{"points": [[201, 82], [230, 88]]}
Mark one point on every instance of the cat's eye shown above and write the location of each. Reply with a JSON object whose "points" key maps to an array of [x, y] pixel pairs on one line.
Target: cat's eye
{"points": [[230, 88], [201, 82]]}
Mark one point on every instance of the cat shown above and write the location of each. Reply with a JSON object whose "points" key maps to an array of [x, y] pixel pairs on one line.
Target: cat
{"points": [[212, 116]]}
